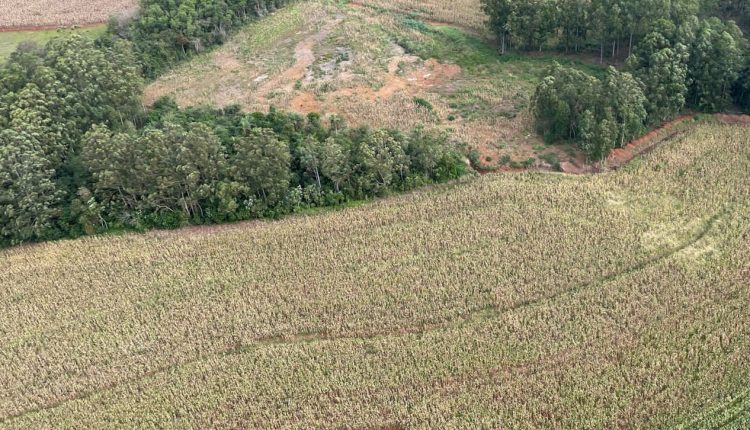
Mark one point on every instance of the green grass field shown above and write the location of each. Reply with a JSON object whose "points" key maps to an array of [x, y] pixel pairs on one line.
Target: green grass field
{"points": [[531, 300], [9, 41]]}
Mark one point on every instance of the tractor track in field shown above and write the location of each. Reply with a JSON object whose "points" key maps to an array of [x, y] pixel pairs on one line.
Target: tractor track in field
{"points": [[486, 313], [732, 414]]}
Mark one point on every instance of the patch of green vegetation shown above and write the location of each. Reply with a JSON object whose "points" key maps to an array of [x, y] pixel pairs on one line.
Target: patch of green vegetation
{"points": [[10, 40], [423, 103], [476, 55], [496, 86], [551, 159], [264, 33]]}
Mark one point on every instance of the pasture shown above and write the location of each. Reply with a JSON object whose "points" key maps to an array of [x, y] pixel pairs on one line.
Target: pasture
{"points": [[10, 40]]}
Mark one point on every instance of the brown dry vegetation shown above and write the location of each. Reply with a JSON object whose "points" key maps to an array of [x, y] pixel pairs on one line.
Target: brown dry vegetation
{"points": [[506, 301], [465, 13], [29, 14]]}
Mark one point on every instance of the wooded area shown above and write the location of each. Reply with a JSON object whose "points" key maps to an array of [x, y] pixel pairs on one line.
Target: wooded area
{"points": [[677, 55]]}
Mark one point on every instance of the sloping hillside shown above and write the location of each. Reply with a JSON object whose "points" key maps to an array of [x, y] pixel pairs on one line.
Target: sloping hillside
{"points": [[506, 301], [381, 68]]}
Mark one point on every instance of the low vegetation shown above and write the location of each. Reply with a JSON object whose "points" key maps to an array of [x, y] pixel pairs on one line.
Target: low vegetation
{"points": [[505, 301], [10, 40], [532, 300], [464, 13]]}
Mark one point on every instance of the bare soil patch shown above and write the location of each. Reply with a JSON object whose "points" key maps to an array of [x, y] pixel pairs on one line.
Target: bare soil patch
{"points": [[620, 156], [648, 142]]}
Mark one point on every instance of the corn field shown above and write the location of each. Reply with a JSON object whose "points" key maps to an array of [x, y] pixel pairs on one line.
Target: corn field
{"points": [[504, 301], [46, 13], [464, 13]]}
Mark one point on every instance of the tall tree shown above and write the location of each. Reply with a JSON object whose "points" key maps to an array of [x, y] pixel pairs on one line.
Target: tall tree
{"points": [[28, 196], [661, 65], [560, 100], [624, 98], [261, 162], [741, 88], [499, 13], [715, 64]]}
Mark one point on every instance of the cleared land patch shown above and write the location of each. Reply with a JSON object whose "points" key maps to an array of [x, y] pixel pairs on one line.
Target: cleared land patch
{"points": [[506, 301], [45, 14], [377, 68]]}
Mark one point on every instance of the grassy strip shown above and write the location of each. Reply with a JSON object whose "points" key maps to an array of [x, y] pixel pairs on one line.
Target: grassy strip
{"points": [[9, 41]]}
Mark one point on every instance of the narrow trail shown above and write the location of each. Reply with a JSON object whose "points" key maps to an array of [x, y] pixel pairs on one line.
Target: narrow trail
{"points": [[621, 156], [482, 314], [732, 414], [655, 138]]}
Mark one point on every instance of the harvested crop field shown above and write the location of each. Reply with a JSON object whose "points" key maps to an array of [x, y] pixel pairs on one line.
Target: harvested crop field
{"points": [[465, 13], [530, 300], [44, 14]]}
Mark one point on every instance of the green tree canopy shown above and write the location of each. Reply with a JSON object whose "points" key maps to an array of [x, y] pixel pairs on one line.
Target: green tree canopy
{"points": [[28, 196]]}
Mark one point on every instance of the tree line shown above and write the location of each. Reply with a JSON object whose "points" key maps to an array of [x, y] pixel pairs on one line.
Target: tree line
{"points": [[205, 165], [612, 27], [676, 59], [80, 154]]}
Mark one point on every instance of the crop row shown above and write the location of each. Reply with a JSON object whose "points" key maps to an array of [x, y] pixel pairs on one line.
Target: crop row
{"points": [[465, 13], [46, 13], [530, 300]]}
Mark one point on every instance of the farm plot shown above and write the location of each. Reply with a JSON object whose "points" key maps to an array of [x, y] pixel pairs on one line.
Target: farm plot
{"points": [[464, 13], [376, 68], [44, 14], [504, 301]]}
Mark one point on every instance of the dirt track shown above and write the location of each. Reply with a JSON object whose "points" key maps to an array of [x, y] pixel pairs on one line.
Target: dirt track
{"points": [[621, 156]]}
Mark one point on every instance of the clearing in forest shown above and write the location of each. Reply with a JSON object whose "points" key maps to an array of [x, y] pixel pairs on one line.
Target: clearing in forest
{"points": [[382, 68], [531, 300]]}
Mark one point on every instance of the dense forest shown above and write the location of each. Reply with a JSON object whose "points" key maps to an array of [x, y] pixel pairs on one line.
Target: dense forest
{"points": [[678, 54]]}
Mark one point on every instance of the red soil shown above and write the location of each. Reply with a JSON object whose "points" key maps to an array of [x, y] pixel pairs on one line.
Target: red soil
{"points": [[651, 140], [620, 156]]}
